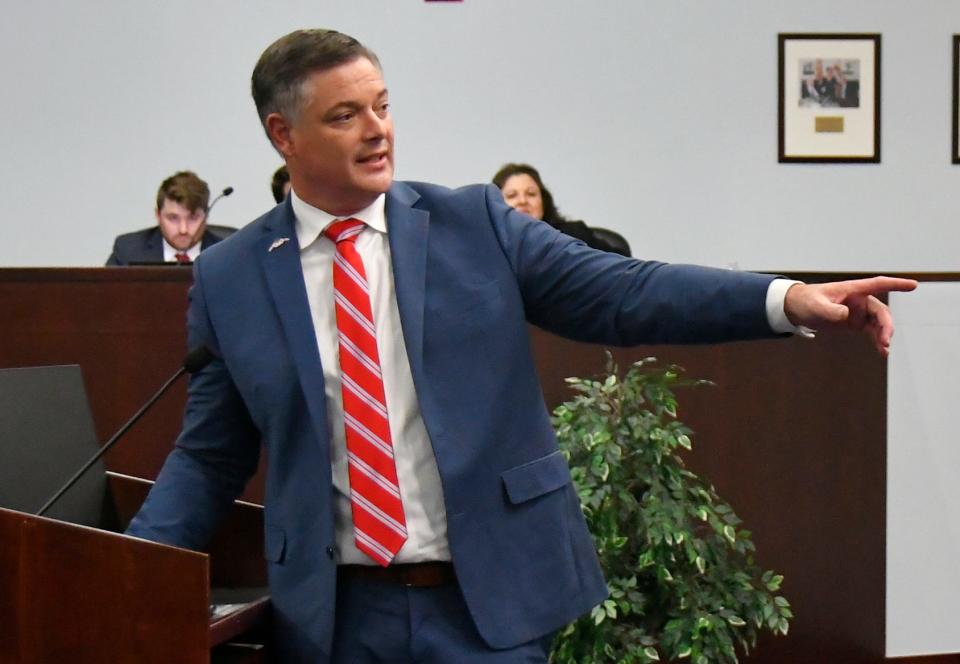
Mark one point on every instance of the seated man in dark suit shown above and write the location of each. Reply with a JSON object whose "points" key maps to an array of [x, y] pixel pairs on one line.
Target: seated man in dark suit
{"points": [[181, 232]]}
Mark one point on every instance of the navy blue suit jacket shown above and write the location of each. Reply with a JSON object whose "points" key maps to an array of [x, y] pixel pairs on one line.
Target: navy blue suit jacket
{"points": [[470, 273], [146, 245]]}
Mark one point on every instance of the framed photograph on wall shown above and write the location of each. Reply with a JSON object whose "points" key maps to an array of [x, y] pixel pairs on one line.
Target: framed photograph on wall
{"points": [[829, 106], [956, 100]]}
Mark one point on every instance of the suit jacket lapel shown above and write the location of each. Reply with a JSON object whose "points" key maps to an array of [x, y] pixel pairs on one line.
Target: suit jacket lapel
{"points": [[408, 232], [153, 247], [284, 276], [279, 256]]}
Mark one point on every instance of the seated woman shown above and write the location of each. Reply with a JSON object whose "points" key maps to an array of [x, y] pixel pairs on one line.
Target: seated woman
{"points": [[523, 190]]}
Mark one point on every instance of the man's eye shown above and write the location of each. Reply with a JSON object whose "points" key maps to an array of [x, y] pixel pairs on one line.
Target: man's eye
{"points": [[343, 117]]}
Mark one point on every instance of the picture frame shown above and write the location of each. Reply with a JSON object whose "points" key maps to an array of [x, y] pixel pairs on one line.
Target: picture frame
{"points": [[829, 98], [955, 154]]}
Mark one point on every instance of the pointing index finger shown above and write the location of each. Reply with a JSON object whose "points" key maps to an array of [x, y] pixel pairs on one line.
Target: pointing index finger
{"points": [[880, 285]]}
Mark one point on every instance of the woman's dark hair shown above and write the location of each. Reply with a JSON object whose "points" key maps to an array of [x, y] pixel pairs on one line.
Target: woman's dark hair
{"points": [[550, 213]]}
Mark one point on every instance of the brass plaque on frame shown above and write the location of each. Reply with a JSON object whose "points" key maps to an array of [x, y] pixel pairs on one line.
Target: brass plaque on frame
{"points": [[832, 124]]}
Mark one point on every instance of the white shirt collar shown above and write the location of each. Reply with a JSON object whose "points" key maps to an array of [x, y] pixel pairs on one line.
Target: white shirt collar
{"points": [[311, 221], [170, 252]]}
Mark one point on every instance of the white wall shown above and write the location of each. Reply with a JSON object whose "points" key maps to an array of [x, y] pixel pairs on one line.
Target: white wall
{"points": [[654, 117], [923, 496]]}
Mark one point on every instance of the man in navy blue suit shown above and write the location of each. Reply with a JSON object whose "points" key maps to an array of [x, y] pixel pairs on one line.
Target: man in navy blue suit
{"points": [[181, 232], [488, 554]]}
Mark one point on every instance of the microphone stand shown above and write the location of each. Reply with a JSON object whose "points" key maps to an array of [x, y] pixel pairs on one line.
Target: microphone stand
{"points": [[226, 192], [110, 443]]}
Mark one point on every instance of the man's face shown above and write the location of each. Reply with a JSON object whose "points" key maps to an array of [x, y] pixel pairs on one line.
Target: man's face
{"points": [[340, 150], [180, 227]]}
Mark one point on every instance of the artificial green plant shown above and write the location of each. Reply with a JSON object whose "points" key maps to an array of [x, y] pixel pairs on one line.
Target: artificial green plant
{"points": [[680, 568]]}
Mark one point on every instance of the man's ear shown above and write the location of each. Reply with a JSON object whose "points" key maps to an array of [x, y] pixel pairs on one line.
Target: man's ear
{"points": [[279, 131]]}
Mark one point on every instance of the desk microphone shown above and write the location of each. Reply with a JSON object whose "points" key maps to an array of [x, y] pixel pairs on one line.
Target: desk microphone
{"points": [[226, 192], [195, 360]]}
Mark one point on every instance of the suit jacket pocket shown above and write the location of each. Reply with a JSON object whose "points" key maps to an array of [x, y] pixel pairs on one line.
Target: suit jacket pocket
{"points": [[536, 477], [274, 544]]}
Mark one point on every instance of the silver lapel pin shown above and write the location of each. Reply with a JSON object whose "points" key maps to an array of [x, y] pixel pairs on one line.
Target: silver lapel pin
{"points": [[279, 242]]}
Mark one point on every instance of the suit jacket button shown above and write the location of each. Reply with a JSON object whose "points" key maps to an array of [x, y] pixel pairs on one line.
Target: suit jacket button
{"points": [[330, 552]]}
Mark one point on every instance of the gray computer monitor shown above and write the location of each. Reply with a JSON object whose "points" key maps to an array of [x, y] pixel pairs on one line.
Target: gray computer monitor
{"points": [[46, 435]]}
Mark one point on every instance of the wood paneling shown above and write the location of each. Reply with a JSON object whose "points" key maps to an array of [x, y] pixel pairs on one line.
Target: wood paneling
{"points": [[793, 434]]}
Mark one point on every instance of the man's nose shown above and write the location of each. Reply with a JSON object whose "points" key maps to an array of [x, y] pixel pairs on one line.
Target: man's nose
{"points": [[183, 227], [374, 126]]}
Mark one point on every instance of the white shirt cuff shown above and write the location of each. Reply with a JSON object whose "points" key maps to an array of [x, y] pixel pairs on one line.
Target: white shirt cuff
{"points": [[777, 317]]}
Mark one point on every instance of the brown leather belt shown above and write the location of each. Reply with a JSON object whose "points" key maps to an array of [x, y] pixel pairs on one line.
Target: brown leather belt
{"points": [[411, 575]]}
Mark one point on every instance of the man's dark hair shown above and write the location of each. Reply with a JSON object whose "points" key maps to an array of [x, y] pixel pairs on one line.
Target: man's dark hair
{"points": [[280, 72], [186, 189], [280, 177], [550, 213]]}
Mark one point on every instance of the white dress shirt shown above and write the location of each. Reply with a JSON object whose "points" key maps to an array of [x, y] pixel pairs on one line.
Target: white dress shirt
{"points": [[417, 473], [419, 479], [170, 252]]}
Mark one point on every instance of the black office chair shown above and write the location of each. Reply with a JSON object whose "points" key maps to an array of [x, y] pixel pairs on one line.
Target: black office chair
{"points": [[614, 241], [222, 232]]}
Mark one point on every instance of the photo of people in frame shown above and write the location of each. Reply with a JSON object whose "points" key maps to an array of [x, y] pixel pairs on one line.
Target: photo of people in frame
{"points": [[829, 83]]}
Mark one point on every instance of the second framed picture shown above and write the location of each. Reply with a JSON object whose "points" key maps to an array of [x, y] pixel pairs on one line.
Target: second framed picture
{"points": [[956, 100], [829, 105]]}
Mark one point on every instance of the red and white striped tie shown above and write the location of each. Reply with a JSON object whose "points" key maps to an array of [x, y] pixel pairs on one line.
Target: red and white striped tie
{"points": [[379, 526]]}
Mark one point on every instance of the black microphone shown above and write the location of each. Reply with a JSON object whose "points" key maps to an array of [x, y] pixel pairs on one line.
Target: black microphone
{"points": [[195, 360], [226, 192]]}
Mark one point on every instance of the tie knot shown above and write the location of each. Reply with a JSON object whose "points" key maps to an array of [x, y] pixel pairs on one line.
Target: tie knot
{"points": [[345, 230]]}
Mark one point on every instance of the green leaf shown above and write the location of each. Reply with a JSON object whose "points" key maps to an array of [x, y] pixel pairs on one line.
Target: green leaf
{"points": [[731, 535], [610, 607], [652, 653], [598, 615]]}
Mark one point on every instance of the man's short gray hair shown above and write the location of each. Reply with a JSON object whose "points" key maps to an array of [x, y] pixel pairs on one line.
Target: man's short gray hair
{"points": [[279, 76]]}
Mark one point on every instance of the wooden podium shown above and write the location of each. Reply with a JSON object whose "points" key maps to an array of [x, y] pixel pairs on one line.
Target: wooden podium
{"points": [[79, 594]]}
